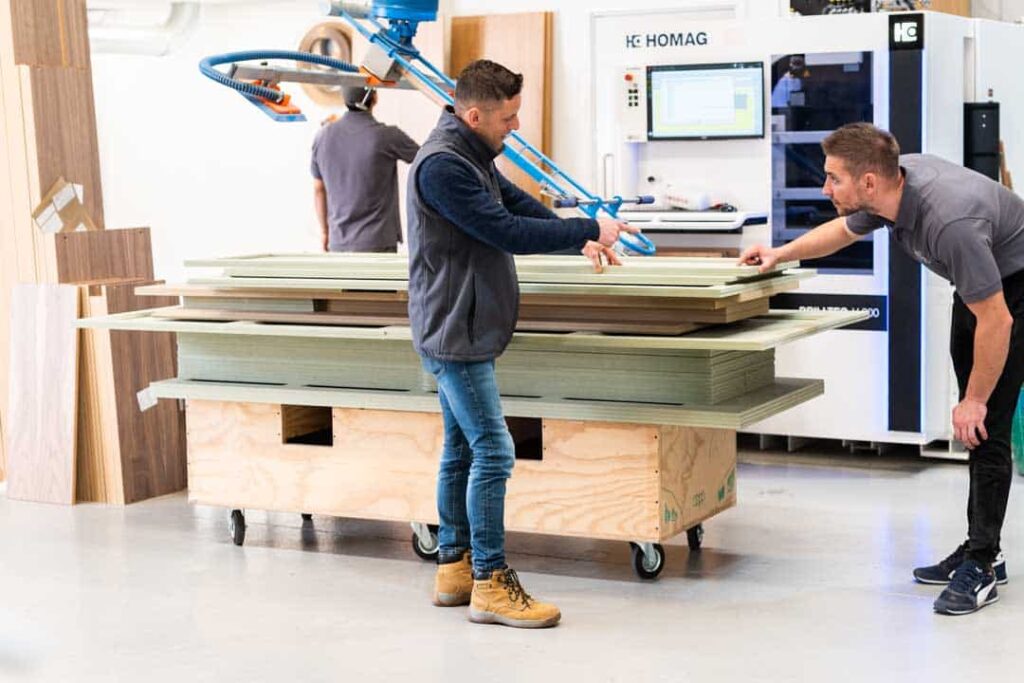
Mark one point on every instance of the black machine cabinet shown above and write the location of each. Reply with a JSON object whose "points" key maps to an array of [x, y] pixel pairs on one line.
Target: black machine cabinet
{"points": [[981, 138]]}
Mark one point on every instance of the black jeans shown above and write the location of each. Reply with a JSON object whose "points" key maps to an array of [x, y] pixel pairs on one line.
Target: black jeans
{"points": [[991, 463]]}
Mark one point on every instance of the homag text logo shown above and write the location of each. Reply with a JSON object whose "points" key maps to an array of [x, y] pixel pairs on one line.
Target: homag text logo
{"points": [[636, 41]]}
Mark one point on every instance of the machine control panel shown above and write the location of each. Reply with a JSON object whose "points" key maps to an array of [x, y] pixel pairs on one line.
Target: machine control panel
{"points": [[633, 104]]}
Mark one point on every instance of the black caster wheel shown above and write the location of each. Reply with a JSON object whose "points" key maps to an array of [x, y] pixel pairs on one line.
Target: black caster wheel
{"points": [[236, 525], [648, 568], [695, 536], [426, 550], [306, 517]]}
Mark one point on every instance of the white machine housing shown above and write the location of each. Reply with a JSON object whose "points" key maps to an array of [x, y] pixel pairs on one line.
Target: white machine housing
{"points": [[962, 60]]}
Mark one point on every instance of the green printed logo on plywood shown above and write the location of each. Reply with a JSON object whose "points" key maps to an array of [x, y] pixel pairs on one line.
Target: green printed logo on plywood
{"points": [[671, 514], [731, 481], [698, 499]]}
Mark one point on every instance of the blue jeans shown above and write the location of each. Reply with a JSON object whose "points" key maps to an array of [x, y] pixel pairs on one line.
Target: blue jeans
{"points": [[477, 459]]}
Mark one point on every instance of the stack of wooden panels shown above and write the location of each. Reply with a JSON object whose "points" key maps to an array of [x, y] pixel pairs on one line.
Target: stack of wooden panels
{"points": [[118, 453], [47, 131], [667, 296], [700, 376], [125, 454], [89, 260]]}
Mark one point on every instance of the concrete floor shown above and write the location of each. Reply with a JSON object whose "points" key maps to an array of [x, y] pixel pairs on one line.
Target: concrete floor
{"points": [[808, 578]]}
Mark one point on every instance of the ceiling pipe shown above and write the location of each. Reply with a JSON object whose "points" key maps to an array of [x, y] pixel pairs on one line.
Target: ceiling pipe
{"points": [[108, 36]]}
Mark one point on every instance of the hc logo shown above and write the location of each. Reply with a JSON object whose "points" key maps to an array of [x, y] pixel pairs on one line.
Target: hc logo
{"points": [[905, 32]]}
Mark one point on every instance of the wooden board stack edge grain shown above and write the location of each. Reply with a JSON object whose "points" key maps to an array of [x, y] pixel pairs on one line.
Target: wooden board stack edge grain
{"points": [[43, 394], [126, 454], [754, 334], [99, 448], [737, 292], [735, 414]]}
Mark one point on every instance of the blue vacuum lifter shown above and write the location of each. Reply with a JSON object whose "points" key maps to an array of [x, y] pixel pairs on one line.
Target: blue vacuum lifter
{"points": [[393, 61]]}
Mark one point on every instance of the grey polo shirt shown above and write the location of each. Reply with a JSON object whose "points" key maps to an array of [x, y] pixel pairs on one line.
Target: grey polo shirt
{"points": [[960, 224], [356, 158]]}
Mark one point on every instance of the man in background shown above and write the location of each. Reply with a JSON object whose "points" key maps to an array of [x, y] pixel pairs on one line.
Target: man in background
{"points": [[355, 178]]}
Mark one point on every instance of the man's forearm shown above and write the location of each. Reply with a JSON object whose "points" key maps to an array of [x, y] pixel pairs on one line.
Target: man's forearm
{"points": [[825, 239], [320, 202], [991, 346]]}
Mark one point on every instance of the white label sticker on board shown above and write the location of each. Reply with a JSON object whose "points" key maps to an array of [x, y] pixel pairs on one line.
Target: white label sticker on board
{"points": [[146, 399], [64, 197], [50, 221]]}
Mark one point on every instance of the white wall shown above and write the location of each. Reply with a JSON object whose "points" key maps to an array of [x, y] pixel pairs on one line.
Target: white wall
{"points": [[1002, 10]]}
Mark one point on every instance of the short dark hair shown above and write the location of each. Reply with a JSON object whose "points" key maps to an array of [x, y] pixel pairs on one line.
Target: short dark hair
{"points": [[485, 81], [865, 148], [358, 97]]}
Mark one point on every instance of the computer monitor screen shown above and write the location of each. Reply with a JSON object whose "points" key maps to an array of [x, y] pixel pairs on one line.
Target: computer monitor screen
{"points": [[705, 101]]}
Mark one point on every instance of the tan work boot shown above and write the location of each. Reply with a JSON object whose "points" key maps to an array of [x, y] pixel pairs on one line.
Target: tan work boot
{"points": [[502, 600], [453, 584]]}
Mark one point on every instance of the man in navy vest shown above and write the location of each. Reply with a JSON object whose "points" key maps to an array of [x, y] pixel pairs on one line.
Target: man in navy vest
{"points": [[465, 222]]}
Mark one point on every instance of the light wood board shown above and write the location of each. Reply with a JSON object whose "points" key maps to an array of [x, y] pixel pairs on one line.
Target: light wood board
{"points": [[697, 477], [43, 394], [744, 291], [755, 334], [530, 269], [580, 322], [99, 474], [396, 301], [531, 306], [782, 395]]}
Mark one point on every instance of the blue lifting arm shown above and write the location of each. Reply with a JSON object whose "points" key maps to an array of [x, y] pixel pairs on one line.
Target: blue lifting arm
{"points": [[403, 60]]}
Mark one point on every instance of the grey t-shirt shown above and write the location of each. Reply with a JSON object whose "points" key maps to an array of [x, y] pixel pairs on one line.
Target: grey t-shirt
{"points": [[962, 225], [356, 159]]}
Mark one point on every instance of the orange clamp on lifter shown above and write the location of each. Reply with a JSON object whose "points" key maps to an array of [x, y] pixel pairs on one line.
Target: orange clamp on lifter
{"points": [[279, 111], [374, 82]]}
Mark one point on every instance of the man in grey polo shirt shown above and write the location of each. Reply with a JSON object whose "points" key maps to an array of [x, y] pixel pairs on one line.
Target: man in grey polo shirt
{"points": [[969, 230], [355, 178]]}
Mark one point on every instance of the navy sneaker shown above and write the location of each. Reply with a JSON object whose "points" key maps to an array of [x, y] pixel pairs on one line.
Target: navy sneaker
{"points": [[972, 587], [941, 573]]}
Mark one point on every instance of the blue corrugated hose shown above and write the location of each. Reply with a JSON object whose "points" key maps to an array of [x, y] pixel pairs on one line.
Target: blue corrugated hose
{"points": [[207, 68]]}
